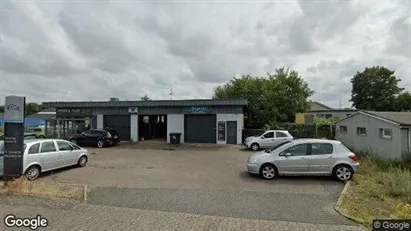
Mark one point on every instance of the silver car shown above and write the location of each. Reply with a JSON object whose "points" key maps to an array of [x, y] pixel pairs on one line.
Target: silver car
{"points": [[49, 154], [305, 157], [268, 139]]}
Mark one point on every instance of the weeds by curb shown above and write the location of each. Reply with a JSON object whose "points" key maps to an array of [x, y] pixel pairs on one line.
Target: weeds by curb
{"points": [[340, 200]]}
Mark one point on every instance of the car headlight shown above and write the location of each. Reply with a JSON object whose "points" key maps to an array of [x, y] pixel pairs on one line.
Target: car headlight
{"points": [[252, 160]]}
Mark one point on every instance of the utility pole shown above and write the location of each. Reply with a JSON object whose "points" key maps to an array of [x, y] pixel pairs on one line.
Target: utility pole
{"points": [[340, 105], [171, 92]]}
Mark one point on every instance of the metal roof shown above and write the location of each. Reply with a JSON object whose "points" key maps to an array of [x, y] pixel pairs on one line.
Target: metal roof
{"points": [[151, 103], [398, 118], [403, 118]]}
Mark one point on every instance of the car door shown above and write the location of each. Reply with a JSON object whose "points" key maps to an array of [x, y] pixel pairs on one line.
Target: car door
{"points": [[320, 158], [84, 138], [49, 155], [281, 137], [293, 160], [66, 152], [267, 140]]}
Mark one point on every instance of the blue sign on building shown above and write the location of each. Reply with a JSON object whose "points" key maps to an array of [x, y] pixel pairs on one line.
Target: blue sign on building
{"points": [[198, 110]]}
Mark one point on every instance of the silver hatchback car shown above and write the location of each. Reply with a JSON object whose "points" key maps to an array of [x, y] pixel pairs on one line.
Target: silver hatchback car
{"points": [[305, 157], [49, 154]]}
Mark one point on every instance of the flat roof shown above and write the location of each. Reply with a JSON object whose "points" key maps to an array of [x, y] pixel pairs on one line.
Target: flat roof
{"points": [[150, 103]]}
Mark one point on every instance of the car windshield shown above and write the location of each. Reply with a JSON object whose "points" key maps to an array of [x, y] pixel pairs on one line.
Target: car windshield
{"points": [[277, 146]]}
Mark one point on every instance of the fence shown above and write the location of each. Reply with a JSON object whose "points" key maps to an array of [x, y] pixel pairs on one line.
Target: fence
{"points": [[297, 131]]}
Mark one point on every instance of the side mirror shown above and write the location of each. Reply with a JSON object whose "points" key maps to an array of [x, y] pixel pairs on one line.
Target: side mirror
{"points": [[287, 154], [262, 137]]}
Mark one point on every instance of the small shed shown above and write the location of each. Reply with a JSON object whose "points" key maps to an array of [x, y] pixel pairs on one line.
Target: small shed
{"points": [[386, 134]]}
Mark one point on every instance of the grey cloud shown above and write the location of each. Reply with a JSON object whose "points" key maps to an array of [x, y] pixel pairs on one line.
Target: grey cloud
{"points": [[400, 40], [89, 51]]}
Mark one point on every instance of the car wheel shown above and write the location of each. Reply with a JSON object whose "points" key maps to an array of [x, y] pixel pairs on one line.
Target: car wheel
{"points": [[255, 147], [343, 172], [32, 173], [82, 161], [268, 172], [41, 137], [100, 144]]}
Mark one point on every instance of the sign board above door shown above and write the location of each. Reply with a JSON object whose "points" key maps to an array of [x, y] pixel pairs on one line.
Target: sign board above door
{"points": [[198, 110]]}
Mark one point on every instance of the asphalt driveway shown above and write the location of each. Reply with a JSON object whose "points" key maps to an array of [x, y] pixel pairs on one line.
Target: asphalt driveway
{"points": [[210, 182]]}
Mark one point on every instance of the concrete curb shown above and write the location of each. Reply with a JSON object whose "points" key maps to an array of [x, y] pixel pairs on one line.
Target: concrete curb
{"points": [[340, 200]]}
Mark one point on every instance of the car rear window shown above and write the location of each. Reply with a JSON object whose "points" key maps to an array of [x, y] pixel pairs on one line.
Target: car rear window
{"points": [[35, 148]]}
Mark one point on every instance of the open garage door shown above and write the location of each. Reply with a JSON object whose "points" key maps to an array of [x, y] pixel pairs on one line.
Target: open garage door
{"points": [[200, 128], [121, 123]]}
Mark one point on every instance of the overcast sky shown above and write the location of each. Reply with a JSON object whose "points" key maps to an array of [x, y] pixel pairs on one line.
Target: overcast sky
{"points": [[90, 50]]}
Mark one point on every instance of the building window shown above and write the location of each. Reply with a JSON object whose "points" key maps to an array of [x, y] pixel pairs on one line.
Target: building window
{"points": [[385, 133], [361, 131], [343, 129], [348, 114]]}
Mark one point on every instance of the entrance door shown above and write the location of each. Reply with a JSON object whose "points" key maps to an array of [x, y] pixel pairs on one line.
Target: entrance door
{"points": [[200, 129], [231, 132], [120, 123]]}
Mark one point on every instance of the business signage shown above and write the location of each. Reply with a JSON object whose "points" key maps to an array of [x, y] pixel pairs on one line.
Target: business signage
{"points": [[73, 112], [198, 110], [13, 136], [14, 109]]}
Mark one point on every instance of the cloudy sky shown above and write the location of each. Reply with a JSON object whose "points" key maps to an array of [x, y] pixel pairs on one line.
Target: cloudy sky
{"points": [[93, 50]]}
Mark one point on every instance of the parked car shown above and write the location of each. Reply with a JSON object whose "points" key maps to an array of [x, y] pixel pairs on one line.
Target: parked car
{"points": [[268, 139], [305, 157], [96, 137], [40, 156]]}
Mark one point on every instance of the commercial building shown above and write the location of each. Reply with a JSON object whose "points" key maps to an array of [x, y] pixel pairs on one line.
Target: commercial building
{"points": [[199, 121]]}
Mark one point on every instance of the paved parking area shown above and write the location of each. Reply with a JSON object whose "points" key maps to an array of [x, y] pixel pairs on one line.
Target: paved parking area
{"points": [[203, 182]]}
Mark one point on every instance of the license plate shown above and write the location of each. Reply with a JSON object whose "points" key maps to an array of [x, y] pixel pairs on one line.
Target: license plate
{"points": [[115, 137]]}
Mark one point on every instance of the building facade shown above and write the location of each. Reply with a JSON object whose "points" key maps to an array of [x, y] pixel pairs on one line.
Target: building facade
{"points": [[320, 110], [387, 134], [198, 121]]}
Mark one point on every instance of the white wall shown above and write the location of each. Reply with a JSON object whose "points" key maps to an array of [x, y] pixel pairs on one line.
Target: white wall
{"points": [[100, 122], [134, 127], [231, 117], [175, 123]]}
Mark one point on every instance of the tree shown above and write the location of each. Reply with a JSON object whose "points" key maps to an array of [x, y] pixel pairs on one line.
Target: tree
{"points": [[1, 109], [145, 98], [376, 88], [404, 101], [33, 108], [275, 98]]}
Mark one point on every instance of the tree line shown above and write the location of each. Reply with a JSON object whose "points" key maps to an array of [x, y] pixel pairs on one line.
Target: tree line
{"points": [[277, 97]]}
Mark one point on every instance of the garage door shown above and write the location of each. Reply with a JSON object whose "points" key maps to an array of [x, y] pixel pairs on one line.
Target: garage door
{"points": [[121, 123], [200, 128]]}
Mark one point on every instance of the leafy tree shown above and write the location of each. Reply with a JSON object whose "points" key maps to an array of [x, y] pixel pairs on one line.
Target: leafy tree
{"points": [[275, 98], [33, 108], [320, 121], [1, 109], [145, 98], [404, 101], [375, 88]]}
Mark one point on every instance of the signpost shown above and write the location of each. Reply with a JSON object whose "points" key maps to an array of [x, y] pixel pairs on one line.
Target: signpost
{"points": [[13, 136]]}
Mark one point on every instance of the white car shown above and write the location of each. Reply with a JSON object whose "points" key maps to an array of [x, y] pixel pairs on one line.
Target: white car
{"points": [[45, 155], [268, 139]]}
